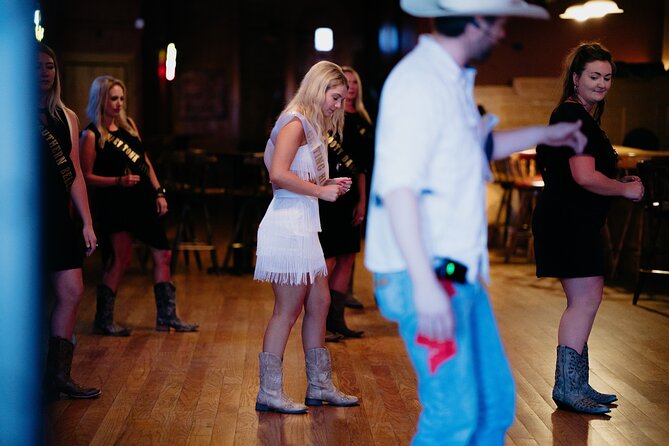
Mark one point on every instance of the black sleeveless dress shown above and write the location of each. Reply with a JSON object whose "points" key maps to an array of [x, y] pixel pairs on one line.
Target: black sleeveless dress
{"points": [[61, 235], [338, 235], [125, 209], [568, 220]]}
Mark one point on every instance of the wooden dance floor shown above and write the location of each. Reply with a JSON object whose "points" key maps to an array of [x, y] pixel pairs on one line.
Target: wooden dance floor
{"points": [[200, 388]]}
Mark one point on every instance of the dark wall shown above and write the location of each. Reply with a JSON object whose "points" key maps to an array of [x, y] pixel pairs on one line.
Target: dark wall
{"points": [[238, 60], [537, 47]]}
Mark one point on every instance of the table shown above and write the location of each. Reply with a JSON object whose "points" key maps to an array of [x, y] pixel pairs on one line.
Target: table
{"points": [[629, 157]]}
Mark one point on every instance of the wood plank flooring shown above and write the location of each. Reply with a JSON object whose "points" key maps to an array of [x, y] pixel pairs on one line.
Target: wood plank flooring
{"points": [[200, 388]]}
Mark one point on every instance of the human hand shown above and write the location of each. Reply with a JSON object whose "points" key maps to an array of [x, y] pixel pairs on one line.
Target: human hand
{"points": [[161, 205], [633, 189], [566, 134], [90, 239], [344, 184], [329, 192], [433, 311], [358, 214], [129, 180]]}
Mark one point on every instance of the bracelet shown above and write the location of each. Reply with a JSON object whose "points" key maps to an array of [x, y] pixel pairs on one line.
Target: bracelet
{"points": [[160, 192], [118, 180]]}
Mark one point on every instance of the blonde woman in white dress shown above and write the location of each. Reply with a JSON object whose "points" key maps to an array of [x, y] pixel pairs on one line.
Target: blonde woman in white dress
{"points": [[289, 254]]}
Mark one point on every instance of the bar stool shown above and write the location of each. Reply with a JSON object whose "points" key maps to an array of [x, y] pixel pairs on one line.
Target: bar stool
{"points": [[252, 194], [190, 191], [654, 244], [528, 184]]}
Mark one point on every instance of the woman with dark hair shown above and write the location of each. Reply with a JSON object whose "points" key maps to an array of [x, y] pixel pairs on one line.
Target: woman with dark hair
{"points": [[289, 253], [65, 240], [128, 203], [570, 215]]}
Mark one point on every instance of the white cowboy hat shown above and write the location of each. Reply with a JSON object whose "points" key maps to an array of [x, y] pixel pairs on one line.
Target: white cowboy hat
{"points": [[445, 8]]}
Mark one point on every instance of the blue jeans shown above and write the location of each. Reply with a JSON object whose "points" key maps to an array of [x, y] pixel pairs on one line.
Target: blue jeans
{"points": [[470, 399]]}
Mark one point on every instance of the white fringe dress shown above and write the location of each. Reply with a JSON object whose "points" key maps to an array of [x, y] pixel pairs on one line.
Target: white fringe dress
{"points": [[288, 250]]}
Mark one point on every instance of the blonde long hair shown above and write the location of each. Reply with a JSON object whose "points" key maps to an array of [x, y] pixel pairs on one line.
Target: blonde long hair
{"points": [[96, 105], [358, 104], [52, 97], [309, 98]]}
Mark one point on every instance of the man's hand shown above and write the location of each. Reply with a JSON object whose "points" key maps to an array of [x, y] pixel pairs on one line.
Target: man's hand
{"points": [[433, 311], [565, 134]]}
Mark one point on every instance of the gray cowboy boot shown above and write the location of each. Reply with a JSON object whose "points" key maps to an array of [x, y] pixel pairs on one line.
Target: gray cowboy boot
{"points": [[166, 309], [601, 398], [319, 377], [270, 395], [104, 314], [568, 390]]}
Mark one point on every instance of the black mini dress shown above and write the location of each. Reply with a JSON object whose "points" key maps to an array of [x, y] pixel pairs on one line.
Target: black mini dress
{"points": [[61, 229], [125, 209], [338, 234], [568, 220]]}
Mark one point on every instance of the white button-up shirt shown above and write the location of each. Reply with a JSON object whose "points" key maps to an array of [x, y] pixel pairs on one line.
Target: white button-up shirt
{"points": [[430, 139]]}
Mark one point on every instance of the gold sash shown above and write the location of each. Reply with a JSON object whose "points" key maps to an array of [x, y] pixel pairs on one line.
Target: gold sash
{"points": [[64, 167], [343, 158], [317, 149], [137, 161]]}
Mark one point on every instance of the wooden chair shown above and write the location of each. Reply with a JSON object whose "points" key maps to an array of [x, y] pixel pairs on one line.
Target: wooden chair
{"points": [[503, 176], [527, 183], [654, 255]]}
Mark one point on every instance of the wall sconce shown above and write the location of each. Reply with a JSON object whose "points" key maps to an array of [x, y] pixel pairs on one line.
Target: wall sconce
{"points": [[592, 9], [323, 39], [39, 30]]}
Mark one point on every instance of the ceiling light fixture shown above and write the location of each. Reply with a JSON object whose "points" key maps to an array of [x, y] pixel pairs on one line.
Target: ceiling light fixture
{"points": [[592, 9]]}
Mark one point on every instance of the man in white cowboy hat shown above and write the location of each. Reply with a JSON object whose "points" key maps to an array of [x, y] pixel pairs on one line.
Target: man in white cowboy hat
{"points": [[426, 233]]}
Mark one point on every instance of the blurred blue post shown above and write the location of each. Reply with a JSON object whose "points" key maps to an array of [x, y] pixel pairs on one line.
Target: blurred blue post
{"points": [[20, 273]]}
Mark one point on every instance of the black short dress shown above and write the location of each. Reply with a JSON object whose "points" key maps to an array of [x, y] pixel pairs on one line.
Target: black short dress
{"points": [[125, 209], [338, 235], [62, 236], [568, 220]]}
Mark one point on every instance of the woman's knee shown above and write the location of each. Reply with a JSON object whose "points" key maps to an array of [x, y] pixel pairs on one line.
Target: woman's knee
{"points": [[122, 258], [586, 302], [285, 318]]}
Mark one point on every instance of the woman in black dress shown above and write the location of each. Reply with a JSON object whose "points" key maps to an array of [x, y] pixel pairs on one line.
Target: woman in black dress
{"points": [[128, 203], [341, 221], [66, 240], [570, 215]]}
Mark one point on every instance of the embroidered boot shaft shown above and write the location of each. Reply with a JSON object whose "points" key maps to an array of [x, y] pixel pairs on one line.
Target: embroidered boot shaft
{"points": [[319, 377], [270, 395], [601, 398], [568, 390]]}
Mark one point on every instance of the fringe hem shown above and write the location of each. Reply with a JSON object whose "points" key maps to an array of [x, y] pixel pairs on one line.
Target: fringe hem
{"points": [[292, 279]]}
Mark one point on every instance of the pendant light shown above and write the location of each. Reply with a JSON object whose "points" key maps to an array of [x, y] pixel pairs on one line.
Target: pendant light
{"points": [[592, 9]]}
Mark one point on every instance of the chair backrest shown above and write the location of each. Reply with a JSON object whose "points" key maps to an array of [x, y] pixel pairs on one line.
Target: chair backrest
{"points": [[517, 167]]}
